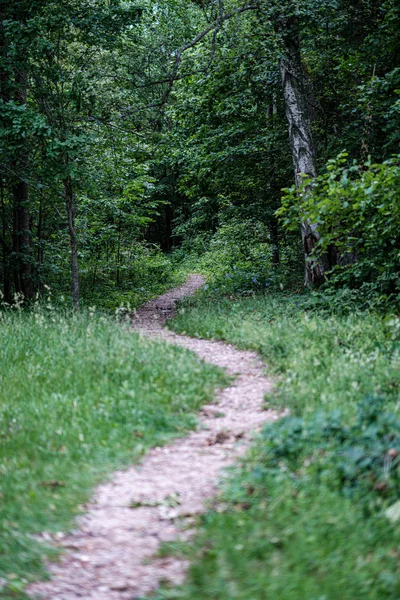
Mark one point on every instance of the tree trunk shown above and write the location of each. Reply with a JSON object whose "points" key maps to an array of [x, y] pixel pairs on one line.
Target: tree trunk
{"points": [[5, 97], [40, 257], [22, 241], [22, 246], [5, 247], [70, 208], [294, 84], [118, 279], [274, 238], [169, 215]]}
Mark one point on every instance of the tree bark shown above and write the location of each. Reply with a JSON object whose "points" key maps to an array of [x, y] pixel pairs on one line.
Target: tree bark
{"points": [[274, 238], [70, 208], [118, 277], [295, 93], [22, 241], [40, 255], [22, 238], [6, 249], [169, 215]]}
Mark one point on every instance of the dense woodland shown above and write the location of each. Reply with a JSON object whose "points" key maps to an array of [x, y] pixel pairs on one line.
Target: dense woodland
{"points": [[131, 127]]}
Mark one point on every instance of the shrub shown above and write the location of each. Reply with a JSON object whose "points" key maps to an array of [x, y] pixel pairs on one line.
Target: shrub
{"points": [[238, 259], [357, 211], [360, 459]]}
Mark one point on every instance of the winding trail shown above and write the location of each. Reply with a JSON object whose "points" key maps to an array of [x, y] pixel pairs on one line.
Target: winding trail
{"points": [[111, 555]]}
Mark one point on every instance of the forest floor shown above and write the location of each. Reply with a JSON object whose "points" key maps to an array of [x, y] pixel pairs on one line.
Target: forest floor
{"points": [[114, 552]]}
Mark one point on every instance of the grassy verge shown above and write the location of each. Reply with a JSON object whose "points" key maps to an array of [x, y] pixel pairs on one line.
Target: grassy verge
{"points": [[79, 396], [326, 360], [313, 512]]}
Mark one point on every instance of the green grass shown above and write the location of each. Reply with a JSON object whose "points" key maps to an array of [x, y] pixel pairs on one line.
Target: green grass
{"points": [[323, 360], [80, 395], [303, 518], [288, 544]]}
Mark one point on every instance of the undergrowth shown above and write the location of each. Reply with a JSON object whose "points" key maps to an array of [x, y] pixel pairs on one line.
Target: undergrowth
{"points": [[80, 395], [323, 359], [313, 512], [149, 274], [239, 259]]}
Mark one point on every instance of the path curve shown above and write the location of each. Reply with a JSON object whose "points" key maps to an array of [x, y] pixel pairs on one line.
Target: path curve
{"points": [[111, 556]]}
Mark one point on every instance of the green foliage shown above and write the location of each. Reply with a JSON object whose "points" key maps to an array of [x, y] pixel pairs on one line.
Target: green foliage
{"points": [[165, 148], [239, 259], [325, 359], [356, 209], [285, 528], [360, 458], [164, 145], [312, 512], [144, 272], [92, 397]]}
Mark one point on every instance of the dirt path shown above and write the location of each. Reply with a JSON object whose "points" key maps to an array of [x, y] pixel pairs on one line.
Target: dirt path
{"points": [[111, 556]]}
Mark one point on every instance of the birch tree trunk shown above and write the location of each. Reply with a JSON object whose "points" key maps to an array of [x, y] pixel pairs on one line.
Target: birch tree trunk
{"points": [[295, 93], [70, 208]]}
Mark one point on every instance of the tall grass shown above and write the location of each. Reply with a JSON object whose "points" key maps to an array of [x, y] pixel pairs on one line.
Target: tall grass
{"points": [[322, 359], [79, 395], [306, 515]]}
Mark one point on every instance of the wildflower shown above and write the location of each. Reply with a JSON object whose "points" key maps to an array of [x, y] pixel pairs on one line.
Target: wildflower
{"points": [[205, 287], [254, 279], [266, 284], [234, 267]]}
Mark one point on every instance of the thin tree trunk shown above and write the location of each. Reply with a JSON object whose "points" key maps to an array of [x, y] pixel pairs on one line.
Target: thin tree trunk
{"points": [[5, 97], [40, 247], [274, 237], [169, 215], [70, 208], [118, 280], [6, 249], [22, 241], [22, 222], [294, 84], [94, 278]]}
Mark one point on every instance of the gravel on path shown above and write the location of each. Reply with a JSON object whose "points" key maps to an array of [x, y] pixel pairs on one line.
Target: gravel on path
{"points": [[112, 553]]}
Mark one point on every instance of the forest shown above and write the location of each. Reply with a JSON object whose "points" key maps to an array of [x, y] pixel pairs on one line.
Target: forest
{"points": [[255, 144]]}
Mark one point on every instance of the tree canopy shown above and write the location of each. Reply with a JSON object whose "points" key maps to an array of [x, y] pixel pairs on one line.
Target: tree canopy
{"points": [[131, 126]]}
